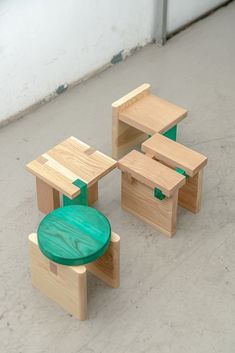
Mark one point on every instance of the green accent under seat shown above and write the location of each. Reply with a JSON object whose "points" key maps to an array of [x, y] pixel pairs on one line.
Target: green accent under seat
{"points": [[171, 133], [158, 194], [81, 199], [181, 171], [74, 235]]}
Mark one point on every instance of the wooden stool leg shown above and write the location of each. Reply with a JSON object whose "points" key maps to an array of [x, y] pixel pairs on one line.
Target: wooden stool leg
{"points": [[190, 194], [107, 267], [66, 285], [48, 198], [92, 193], [125, 138], [173, 213], [81, 310]]}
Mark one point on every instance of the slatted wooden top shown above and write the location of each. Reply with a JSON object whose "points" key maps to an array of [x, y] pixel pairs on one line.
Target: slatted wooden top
{"points": [[152, 114], [151, 173], [174, 154], [68, 161]]}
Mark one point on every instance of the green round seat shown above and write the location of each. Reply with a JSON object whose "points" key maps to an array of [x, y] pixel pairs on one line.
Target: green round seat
{"points": [[74, 235]]}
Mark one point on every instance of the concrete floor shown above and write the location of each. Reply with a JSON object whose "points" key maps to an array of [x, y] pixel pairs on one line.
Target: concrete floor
{"points": [[176, 295]]}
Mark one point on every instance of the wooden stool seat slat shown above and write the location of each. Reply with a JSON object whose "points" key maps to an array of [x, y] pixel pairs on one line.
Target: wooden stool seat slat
{"points": [[152, 114], [174, 154], [151, 173], [178, 156]]}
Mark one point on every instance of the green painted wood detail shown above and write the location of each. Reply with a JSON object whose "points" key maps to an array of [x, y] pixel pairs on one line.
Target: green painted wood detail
{"points": [[81, 199], [171, 133], [74, 235], [182, 172], [158, 194]]}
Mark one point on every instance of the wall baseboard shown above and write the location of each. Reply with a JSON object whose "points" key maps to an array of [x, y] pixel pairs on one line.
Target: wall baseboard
{"points": [[32, 108], [206, 14]]}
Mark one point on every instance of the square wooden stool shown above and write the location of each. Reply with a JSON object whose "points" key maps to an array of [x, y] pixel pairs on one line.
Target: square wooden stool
{"points": [[150, 190], [69, 241], [184, 160], [72, 168], [139, 114]]}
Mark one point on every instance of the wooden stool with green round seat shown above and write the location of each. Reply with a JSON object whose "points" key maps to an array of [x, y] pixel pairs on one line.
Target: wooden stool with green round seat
{"points": [[69, 241]]}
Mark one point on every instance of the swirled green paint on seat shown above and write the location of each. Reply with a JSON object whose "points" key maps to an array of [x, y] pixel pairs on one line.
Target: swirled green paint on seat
{"points": [[74, 235]]}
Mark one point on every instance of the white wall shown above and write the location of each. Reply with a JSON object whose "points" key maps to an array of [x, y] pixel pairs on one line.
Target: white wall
{"points": [[45, 43], [181, 12]]}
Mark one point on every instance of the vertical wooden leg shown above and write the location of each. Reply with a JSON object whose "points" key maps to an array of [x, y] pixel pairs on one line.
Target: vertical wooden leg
{"points": [[190, 194], [173, 218], [66, 285], [107, 267], [48, 198], [125, 138], [81, 312], [92, 193]]}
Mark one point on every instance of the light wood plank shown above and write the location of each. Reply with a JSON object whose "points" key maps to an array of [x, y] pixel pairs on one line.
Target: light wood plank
{"points": [[151, 173], [53, 178], [88, 167], [92, 194], [74, 144], [68, 161], [174, 154], [132, 97], [48, 198], [125, 137], [152, 114], [66, 285], [139, 200], [139, 114], [107, 267], [51, 162], [41, 160], [191, 193]]}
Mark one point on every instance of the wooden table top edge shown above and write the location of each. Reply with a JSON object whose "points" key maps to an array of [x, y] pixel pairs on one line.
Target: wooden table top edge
{"points": [[148, 129], [152, 183], [191, 172]]}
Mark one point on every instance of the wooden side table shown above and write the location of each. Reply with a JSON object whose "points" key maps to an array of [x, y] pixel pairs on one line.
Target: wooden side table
{"points": [[139, 114], [72, 168]]}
